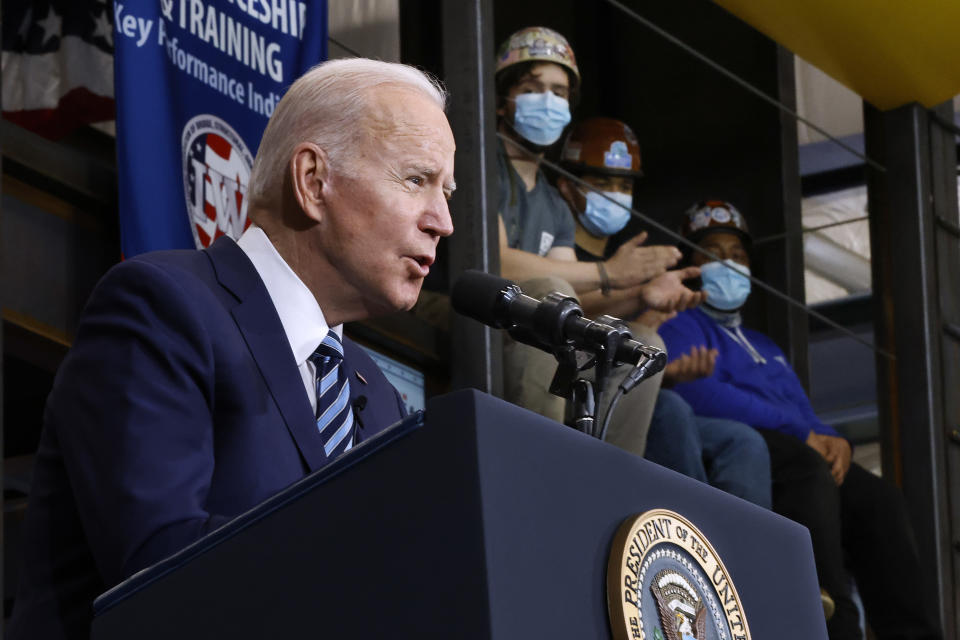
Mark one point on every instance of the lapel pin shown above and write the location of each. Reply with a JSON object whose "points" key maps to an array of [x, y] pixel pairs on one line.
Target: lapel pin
{"points": [[360, 377]]}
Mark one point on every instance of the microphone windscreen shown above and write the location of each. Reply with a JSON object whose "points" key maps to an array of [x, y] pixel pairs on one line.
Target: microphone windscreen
{"points": [[476, 294]]}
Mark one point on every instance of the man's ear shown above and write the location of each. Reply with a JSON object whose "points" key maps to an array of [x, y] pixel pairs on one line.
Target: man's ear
{"points": [[501, 106], [309, 171]]}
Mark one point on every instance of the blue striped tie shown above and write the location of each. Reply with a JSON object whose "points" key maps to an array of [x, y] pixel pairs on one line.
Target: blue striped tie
{"points": [[334, 413]]}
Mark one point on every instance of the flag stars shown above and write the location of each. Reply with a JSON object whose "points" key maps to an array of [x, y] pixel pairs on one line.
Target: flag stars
{"points": [[24, 31], [102, 27], [51, 26]]}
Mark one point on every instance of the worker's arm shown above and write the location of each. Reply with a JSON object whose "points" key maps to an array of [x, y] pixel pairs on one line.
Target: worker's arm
{"points": [[665, 293], [621, 303], [631, 265]]}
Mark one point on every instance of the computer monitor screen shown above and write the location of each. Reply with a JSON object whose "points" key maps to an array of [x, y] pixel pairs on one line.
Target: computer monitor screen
{"points": [[408, 381]]}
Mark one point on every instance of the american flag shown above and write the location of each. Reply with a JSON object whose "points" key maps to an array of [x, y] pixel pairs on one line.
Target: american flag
{"points": [[57, 64]]}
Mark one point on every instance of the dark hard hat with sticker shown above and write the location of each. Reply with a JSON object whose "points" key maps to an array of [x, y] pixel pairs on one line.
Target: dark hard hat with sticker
{"points": [[710, 216], [602, 146]]}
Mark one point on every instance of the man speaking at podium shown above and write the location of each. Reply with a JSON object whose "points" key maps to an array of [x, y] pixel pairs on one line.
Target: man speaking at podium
{"points": [[203, 382]]}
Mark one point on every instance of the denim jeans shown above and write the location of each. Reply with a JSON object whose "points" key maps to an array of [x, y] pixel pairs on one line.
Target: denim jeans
{"points": [[726, 454]]}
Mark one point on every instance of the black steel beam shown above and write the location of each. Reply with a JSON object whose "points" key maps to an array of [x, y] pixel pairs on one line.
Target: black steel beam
{"points": [[952, 330], [791, 323], [468, 58], [908, 324], [950, 227], [3, 569], [947, 249]]}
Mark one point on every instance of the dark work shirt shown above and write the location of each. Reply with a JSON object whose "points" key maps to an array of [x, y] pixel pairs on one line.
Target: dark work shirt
{"points": [[537, 220], [585, 256]]}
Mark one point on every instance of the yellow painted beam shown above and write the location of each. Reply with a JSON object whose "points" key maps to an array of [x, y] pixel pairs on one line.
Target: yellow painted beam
{"points": [[891, 52]]}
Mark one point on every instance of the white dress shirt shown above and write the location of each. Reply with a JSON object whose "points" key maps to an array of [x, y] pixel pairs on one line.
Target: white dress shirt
{"points": [[300, 315]]}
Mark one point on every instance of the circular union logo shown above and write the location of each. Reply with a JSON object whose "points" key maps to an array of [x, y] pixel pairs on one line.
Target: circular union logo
{"points": [[216, 170], [720, 214], [665, 582]]}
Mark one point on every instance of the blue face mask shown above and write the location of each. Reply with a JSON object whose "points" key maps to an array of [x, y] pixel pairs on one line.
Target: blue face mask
{"points": [[727, 289], [541, 117], [604, 218]]}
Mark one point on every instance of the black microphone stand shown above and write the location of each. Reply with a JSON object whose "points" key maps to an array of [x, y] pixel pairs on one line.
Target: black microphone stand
{"points": [[583, 395], [547, 331]]}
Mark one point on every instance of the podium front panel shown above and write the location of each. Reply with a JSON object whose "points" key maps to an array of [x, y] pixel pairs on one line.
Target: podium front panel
{"points": [[483, 521]]}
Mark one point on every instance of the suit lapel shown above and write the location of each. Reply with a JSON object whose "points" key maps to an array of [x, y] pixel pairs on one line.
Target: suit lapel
{"points": [[358, 391], [260, 326], [375, 401]]}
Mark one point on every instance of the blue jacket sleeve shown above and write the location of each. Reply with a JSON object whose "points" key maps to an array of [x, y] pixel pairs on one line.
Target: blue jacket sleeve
{"points": [[713, 398], [710, 397], [131, 410], [799, 397]]}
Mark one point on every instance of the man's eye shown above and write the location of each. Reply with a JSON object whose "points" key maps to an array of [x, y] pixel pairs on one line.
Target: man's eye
{"points": [[417, 180]]}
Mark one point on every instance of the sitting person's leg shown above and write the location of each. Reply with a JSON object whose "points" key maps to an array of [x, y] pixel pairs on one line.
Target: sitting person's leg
{"points": [[805, 492], [880, 544], [631, 419], [736, 459], [527, 371], [674, 439]]}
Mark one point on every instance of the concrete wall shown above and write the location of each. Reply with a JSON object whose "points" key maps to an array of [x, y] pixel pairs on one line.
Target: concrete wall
{"points": [[370, 28]]}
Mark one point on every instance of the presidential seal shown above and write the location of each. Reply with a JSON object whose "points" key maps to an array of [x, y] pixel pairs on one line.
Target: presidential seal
{"points": [[216, 170], [666, 582]]}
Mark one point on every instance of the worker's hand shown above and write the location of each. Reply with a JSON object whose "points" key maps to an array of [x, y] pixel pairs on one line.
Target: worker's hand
{"points": [[634, 264], [667, 293], [691, 366], [836, 451], [653, 319]]}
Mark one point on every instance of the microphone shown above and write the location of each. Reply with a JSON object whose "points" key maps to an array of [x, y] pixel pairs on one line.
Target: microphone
{"points": [[359, 405], [556, 321]]}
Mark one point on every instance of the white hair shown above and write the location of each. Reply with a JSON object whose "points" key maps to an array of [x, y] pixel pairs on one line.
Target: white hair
{"points": [[326, 106]]}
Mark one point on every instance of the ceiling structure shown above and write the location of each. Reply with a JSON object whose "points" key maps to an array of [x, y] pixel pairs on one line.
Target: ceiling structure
{"points": [[888, 51]]}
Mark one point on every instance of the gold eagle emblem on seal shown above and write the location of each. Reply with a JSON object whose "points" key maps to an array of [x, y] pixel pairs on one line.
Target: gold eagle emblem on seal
{"points": [[665, 581]]}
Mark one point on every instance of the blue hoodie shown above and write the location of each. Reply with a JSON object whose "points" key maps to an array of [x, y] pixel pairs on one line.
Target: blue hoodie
{"points": [[752, 381]]}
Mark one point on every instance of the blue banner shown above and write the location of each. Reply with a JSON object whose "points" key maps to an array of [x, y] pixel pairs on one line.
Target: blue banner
{"points": [[195, 83]]}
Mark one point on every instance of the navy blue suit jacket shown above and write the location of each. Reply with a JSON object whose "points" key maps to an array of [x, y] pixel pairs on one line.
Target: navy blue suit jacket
{"points": [[178, 407]]}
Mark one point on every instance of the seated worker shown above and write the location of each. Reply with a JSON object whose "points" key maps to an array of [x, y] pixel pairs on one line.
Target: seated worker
{"points": [[604, 154], [850, 512], [726, 454], [536, 79]]}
